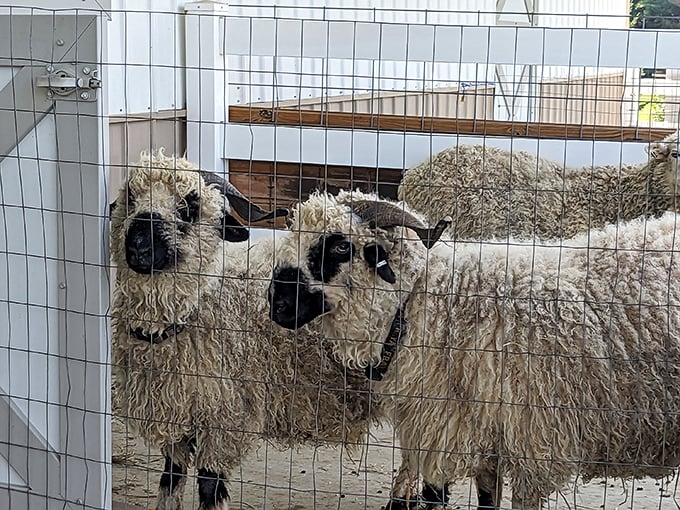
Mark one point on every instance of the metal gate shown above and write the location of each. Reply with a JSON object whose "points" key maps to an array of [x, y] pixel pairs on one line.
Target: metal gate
{"points": [[54, 378]]}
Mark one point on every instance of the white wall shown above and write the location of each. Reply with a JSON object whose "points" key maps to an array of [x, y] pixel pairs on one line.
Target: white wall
{"points": [[145, 59]]}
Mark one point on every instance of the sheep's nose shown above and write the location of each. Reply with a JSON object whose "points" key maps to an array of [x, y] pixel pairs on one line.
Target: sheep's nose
{"points": [[280, 302], [140, 255], [145, 247], [291, 303], [282, 308]]}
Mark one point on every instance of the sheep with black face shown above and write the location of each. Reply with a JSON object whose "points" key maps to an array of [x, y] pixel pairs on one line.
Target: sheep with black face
{"points": [[199, 369], [515, 360]]}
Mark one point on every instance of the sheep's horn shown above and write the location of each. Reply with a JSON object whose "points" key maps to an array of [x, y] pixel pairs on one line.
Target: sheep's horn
{"points": [[244, 207], [383, 214]]}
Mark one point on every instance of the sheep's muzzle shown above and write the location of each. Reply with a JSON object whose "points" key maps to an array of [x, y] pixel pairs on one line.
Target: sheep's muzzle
{"points": [[291, 302], [146, 246]]}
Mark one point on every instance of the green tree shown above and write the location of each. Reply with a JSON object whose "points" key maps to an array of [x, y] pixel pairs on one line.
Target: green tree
{"points": [[655, 13]]}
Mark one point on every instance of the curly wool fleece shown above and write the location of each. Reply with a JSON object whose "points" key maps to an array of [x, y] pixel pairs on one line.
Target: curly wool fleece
{"points": [[491, 192], [229, 378], [533, 362]]}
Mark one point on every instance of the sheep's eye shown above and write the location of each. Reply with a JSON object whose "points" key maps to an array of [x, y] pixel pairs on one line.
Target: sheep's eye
{"points": [[327, 255], [188, 211], [674, 153], [342, 248]]}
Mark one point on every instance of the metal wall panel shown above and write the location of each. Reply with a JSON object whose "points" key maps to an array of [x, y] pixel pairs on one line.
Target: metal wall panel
{"points": [[465, 103], [591, 100], [583, 14]]}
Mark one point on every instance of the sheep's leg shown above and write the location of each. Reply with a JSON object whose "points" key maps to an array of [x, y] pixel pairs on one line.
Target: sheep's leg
{"points": [[212, 491], [404, 489], [434, 496], [174, 477], [171, 487], [489, 492], [489, 489], [521, 502], [484, 499], [523, 499]]}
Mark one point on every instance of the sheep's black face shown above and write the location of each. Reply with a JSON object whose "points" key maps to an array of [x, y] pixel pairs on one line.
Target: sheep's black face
{"points": [[292, 304], [146, 246]]}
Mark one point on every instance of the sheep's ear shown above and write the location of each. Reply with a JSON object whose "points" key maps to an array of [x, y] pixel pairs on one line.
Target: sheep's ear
{"points": [[376, 258], [231, 230], [383, 214], [243, 207], [289, 217], [112, 206], [658, 151]]}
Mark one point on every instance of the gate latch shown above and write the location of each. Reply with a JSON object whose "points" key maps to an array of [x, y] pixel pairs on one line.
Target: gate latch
{"points": [[66, 81]]}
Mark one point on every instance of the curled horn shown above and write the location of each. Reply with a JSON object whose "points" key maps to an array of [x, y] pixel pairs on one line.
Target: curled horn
{"points": [[382, 214], [244, 207]]}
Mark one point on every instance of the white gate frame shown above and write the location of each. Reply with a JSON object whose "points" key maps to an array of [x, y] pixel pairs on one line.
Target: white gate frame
{"points": [[76, 472]]}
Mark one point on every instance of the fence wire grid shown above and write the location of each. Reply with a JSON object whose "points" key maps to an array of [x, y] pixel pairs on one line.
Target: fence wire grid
{"points": [[171, 338]]}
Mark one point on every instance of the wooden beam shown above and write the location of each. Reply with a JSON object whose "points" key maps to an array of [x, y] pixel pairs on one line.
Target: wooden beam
{"points": [[439, 125], [272, 184]]}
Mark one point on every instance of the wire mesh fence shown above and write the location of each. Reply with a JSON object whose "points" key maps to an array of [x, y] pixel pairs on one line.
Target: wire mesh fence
{"points": [[360, 255]]}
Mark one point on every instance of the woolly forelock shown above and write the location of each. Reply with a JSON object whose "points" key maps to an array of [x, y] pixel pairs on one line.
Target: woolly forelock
{"points": [[664, 162], [495, 193], [553, 360], [667, 170], [672, 138], [160, 184], [231, 378], [354, 337]]}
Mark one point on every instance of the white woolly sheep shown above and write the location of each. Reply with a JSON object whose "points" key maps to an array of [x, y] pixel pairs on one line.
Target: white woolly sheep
{"points": [[492, 192], [197, 369], [533, 362]]}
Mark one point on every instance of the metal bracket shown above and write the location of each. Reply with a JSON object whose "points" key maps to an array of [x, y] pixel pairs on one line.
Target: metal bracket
{"points": [[70, 79]]}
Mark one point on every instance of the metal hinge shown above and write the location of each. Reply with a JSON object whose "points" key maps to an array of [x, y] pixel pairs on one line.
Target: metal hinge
{"points": [[67, 80]]}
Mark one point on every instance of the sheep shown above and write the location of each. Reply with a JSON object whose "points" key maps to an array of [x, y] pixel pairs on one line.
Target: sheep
{"points": [[536, 362], [492, 192], [197, 369]]}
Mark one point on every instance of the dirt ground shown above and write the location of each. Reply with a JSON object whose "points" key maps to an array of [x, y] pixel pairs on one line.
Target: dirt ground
{"points": [[328, 478]]}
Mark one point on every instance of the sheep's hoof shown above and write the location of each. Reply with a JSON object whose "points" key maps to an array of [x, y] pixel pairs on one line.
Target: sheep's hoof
{"points": [[484, 500]]}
